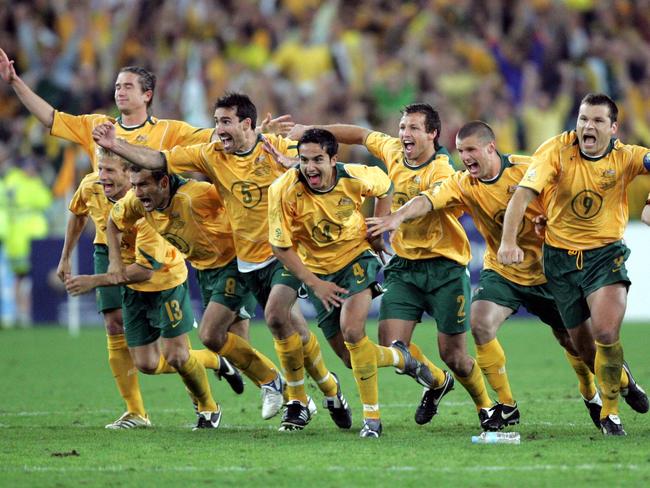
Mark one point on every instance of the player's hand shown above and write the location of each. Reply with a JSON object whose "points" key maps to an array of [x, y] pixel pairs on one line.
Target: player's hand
{"points": [[281, 125], [78, 285], [281, 159], [510, 254], [63, 270], [104, 135], [116, 273], [7, 71], [379, 225], [540, 225], [378, 245], [297, 131], [329, 294]]}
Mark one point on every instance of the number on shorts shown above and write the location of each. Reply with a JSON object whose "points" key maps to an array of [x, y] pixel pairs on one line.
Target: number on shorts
{"points": [[358, 271], [174, 311], [460, 299], [618, 262], [231, 286]]}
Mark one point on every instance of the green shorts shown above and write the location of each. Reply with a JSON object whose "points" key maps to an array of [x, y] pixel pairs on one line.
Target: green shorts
{"points": [[537, 299], [226, 286], [357, 276], [148, 315], [260, 281], [438, 286], [573, 277], [107, 297]]}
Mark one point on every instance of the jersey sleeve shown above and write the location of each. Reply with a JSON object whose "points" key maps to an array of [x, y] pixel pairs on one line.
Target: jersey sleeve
{"points": [[126, 212], [187, 135], [376, 182], [382, 146], [149, 249], [279, 216], [640, 161], [187, 158], [77, 128], [446, 192], [78, 203]]}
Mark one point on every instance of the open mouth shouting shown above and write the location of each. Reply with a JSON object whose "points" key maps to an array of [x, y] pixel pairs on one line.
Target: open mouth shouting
{"points": [[409, 149], [227, 141]]}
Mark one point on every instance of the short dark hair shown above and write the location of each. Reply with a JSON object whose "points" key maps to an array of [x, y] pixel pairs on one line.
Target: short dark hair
{"points": [[601, 99], [158, 174], [477, 128], [324, 138], [431, 118], [244, 107], [146, 79]]}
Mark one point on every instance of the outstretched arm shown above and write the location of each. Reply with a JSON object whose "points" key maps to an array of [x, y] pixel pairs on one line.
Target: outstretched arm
{"points": [[328, 292], [382, 209], [344, 133], [104, 135], [78, 285], [416, 207], [509, 252], [42, 110], [73, 231]]}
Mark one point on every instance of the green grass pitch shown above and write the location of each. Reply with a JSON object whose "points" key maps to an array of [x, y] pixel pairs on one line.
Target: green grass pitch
{"points": [[57, 393]]}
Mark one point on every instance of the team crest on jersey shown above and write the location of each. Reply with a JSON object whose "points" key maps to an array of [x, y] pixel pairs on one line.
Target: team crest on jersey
{"points": [[344, 208], [141, 139], [608, 179], [262, 167], [512, 189], [177, 224]]}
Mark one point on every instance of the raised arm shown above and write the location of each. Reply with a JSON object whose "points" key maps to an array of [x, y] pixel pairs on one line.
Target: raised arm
{"points": [[382, 209], [346, 134], [42, 110], [509, 252], [104, 135], [75, 227]]}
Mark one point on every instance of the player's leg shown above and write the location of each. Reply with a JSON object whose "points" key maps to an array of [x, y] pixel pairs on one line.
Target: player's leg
{"points": [[109, 303], [363, 357], [313, 358]]}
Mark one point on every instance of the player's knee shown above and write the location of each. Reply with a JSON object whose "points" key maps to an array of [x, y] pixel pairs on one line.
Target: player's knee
{"points": [[146, 365], [456, 361], [278, 322], [113, 324], [483, 330], [212, 338]]}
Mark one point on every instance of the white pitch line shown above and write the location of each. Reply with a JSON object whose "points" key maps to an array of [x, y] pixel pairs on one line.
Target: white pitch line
{"points": [[327, 469]]}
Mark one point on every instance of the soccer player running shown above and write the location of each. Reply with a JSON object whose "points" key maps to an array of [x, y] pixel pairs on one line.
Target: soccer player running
{"points": [[134, 91], [484, 191], [428, 272], [583, 176], [190, 215], [317, 231], [155, 301], [242, 171]]}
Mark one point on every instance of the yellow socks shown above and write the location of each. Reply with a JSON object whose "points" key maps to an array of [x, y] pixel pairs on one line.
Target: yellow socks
{"points": [[196, 380], [207, 358], [608, 364], [316, 367], [125, 373], [475, 386], [252, 363], [438, 374], [586, 383], [291, 358], [492, 361], [364, 369]]}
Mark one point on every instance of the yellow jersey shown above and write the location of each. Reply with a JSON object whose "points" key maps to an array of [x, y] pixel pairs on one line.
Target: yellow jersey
{"points": [[437, 234], [327, 228], [486, 202], [154, 133], [243, 181], [140, 244], [586, 201], [194, 222]]}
